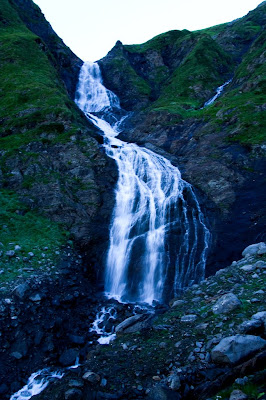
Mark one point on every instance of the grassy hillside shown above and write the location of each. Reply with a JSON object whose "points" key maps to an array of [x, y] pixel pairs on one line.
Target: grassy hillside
{"points": [[49, 163], [33, 101], [182, 70]]}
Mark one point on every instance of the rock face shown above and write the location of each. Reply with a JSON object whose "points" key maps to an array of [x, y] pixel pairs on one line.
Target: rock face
{"points": [[233, 349], [214, 148], [226, 304]]}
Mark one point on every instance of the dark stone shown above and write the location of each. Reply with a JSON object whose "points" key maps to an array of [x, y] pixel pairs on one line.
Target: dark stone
{"points": [[73, 394], [76, 339], [68, 357], [162, 393], [3, 388]]}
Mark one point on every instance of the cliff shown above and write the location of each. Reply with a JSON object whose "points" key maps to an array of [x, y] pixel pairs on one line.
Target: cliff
{"points": [[219, 148]]}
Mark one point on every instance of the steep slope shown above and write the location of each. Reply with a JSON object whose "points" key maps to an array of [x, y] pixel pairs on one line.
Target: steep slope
{"points": [[50, 161], [220, 148]]}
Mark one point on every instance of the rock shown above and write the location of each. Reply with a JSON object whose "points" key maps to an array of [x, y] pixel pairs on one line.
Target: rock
{"points": [[226, 304], [178, 303], [162, 393], [189, 318], [75, 383], [31, 254], [17, 247], [241, 381], [21, 290], [238, 395], [261, 316], [35, 298], [91, 377], [76, 339], [10, 253], [248, 268], [73, 394], [135, 323], [16, 355], [162, 345], [3, 388], [174, 382], [253, 249], [68, 357], [251, 327], [232, 349]]}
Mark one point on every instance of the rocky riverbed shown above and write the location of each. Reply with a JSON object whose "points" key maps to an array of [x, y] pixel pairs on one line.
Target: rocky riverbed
{"points": [[211, 337]]}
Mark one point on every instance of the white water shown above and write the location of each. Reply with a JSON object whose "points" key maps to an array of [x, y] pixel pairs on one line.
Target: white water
{"points": [[99, 325], [37, 382], [158, 239], [219, 91]]}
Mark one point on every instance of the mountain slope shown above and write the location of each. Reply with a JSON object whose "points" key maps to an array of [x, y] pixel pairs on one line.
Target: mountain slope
{"points": [[50, 161], [220, 148]]}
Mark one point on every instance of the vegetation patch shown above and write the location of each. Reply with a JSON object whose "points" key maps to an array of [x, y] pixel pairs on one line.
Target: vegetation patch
{"points": [[28, 241]]}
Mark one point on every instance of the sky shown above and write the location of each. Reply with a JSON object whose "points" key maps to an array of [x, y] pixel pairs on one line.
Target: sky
{"points": [[92, 27]]}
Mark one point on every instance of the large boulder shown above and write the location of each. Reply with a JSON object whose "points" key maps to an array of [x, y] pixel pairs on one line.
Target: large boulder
{"points": [[253, 249], [227, 303], [135, 323], [233, 349]]}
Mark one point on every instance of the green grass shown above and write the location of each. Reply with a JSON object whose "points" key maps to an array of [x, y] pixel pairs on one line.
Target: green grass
{"points": [[202, 69], [170, 38], [31, 231], [33, 99]]}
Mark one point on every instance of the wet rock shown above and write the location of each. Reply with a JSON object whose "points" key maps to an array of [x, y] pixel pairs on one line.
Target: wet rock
{"points": [[253, 249], [91, 377], [73, 394], [189, 318], [135, 323], [226, 304], [232, 349], [238, 395], [76, 339], [68, 357]]}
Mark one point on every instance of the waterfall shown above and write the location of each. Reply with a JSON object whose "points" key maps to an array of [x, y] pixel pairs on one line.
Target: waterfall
{"points": [[158, 238], [218, 93]]}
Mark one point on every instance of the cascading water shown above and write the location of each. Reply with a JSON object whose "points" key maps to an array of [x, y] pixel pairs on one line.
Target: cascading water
{"points": [[218, 93], [158, 239]]}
